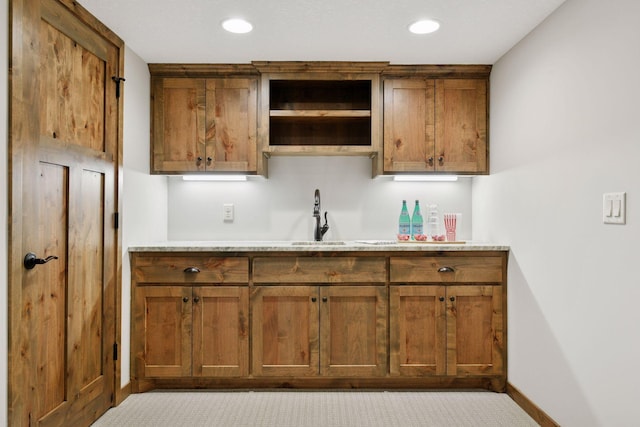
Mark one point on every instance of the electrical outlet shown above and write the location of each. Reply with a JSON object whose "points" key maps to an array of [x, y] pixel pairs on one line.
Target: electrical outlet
{"points": [[614, 208], [227, 212]]}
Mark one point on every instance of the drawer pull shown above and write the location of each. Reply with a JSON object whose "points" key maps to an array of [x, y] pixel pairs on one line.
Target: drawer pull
{"points": [[192, 270], [446, 270]]}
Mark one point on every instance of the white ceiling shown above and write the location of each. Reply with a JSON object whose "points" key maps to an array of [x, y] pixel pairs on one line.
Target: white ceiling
{"points": [[189, 31]]}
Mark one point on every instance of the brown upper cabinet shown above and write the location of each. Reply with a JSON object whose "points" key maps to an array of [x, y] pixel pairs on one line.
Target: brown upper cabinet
{"points": [[233, 117], [320, 108], [203, 124], [436, 120]]}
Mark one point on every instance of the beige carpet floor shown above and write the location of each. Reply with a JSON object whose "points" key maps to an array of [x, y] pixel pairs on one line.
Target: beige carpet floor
{"points": [[316, 408]]}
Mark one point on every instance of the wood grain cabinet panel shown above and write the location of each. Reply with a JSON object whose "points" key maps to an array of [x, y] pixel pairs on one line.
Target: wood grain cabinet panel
{"points": [[220, 333], [191, 269], [446, 269], [475, 331], [334, 331], [435, 125], [184, 331], [163, 315], [353, 331], [409, 125], [204, 124], [418, 330], [285, 330], [348, 269]]}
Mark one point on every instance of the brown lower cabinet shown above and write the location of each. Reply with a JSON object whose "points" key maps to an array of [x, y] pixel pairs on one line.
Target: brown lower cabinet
{"points": [[446, 330], [187, 331], [319, 319], [319, 331]]}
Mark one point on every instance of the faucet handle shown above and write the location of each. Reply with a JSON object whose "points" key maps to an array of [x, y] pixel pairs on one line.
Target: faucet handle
{"points": [[325, 227]]}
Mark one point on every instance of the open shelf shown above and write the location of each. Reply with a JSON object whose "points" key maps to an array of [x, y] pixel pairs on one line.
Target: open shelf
{"points": [[320, 113]]}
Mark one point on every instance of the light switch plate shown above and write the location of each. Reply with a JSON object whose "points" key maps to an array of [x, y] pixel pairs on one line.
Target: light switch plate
{"points": [[614, 208], [227, 212]]}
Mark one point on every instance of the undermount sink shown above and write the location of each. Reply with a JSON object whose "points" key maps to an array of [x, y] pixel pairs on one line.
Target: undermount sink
{"points": [[312, 243]]}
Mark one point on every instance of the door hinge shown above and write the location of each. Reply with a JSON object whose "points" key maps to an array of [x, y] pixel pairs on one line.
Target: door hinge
{"points": [[116, 220], [118, 80], [115, 351]]}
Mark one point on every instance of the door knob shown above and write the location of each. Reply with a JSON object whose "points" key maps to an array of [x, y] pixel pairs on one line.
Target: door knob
{"points": [[31, 260]]}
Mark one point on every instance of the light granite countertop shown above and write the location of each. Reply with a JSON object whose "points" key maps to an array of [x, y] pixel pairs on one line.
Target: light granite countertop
{"points": [[305, 246]]}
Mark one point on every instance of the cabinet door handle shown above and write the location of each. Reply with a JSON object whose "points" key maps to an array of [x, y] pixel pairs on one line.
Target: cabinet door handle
{"points": [[441, 299], [209, 160], [441, 160], [313, 299], [196, 299], [185, 299], [430, 161], [324, 299], [198, 160], [452, 299], [191, 270], [446, 270]]}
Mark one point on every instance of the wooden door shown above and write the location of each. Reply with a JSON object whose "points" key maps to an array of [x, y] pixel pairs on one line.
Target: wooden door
{"points": [[65, 154], [353, 331], [178, 136], [220, 331], [165, 315], [409, 125], [231, 124], [284, 330], [474, 330], [461, 125], [417, 329]]}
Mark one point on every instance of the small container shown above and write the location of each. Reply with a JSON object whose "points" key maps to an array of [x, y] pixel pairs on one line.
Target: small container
{"points": [[433, 223], [450, 225]]}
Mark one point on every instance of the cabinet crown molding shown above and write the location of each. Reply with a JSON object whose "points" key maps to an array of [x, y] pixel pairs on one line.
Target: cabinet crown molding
{"points": [[319, 66]]}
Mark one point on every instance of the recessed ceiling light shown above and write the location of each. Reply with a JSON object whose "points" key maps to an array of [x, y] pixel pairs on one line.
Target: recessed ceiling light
{"points": [[238, 26], [424, 26]]}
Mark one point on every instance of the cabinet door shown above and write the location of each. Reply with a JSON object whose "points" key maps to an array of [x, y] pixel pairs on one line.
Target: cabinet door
{"points": [[475, 334], [164, 314], [417, 330], [461, 125], [284, 328], [409, 125], [353, 337], [220, 331], [231, 124], [178, 134]]}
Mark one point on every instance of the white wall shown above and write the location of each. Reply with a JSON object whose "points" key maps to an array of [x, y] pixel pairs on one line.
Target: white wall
{"points": [[564, 130], [144, 211], [281, 207], [4, 82]]}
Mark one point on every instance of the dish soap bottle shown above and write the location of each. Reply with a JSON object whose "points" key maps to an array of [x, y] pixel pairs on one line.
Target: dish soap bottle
{"points": [[417, 229], [404, 224]]}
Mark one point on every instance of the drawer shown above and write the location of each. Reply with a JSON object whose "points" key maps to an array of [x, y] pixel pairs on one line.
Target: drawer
{"points": [[190, 269], [319, 270], [446, 269]]}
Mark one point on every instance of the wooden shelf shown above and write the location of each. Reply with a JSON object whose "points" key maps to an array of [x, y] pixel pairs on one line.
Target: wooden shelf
{"points": [[325, 150], [320, 113]]}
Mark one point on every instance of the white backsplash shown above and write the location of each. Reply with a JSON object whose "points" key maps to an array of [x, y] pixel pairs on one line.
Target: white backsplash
{"points": [[281, 207]]}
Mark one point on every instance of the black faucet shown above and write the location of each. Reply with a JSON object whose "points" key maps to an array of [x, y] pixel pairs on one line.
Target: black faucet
{"points": [[320, 230]]}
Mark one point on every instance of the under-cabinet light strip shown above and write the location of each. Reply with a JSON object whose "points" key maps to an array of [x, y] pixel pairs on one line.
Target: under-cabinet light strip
{"points": [[424, 178], [226, 178]]}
